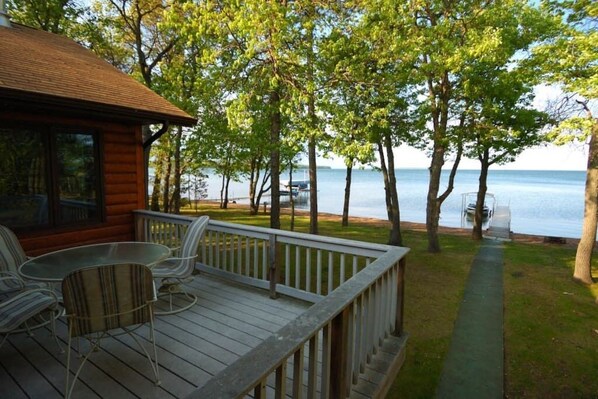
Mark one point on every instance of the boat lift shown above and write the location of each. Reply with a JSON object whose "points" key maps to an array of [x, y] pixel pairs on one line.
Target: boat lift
{"points": [[468, 203], [498, 221]]}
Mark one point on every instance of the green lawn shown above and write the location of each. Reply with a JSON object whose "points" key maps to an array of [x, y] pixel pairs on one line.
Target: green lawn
{"points": [[551, 323]]}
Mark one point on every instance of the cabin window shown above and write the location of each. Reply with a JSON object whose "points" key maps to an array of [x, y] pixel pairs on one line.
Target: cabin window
{"points": [[49, 177]]}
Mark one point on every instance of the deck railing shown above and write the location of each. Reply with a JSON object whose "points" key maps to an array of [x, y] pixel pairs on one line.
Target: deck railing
{"points": [[357, 287]]}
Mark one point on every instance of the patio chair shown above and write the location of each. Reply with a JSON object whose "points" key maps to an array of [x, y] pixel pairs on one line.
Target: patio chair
{"points": [[105, 301], [175, 272], [24, 310], [11, 257]]}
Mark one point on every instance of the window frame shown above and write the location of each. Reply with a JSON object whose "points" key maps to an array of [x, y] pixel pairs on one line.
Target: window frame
{"points": [[48, 135]]}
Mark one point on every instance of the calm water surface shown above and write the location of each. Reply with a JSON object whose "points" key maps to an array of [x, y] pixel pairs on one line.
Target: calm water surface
{"points": [[541, 202]]}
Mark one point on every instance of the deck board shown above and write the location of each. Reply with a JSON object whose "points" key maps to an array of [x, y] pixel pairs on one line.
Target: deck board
{"points": [[193, 346]]}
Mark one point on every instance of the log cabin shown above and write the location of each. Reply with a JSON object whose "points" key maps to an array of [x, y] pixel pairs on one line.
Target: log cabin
{"points": [[72, 164]]}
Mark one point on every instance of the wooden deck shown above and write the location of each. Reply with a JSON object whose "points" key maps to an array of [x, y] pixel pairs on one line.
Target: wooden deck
{"points": [[227, 322]]}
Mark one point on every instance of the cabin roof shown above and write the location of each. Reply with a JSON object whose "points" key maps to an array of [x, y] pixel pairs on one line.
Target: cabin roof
{"points": [[42, 70]]}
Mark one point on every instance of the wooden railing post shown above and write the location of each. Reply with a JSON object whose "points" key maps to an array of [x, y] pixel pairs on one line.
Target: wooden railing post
{"points": [[139, 228], [400, 297], [273, 270], [339, 377]]}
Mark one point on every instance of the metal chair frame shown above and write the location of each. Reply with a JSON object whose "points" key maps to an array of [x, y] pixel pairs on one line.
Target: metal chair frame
{"points": [[175, 272], [95, 337]]}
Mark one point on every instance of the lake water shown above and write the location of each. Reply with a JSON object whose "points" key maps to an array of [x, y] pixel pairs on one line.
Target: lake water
{"points": [[541, 202]]}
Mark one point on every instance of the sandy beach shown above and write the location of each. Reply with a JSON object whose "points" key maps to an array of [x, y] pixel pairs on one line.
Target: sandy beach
{"points": [[410, 226]]}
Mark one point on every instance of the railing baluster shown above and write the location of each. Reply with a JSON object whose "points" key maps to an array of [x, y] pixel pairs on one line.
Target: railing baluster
{"points": [[298, 267], [319, 272], [225, 251], [371, 321], [259, 391], [312, 373], [377, 295], [217, 251], [247, 256], [354, 265], [239, 255], [330, 273], [326, 359], [287, 264], [281, 381], [357, 340], [264, 260], [256, 263], [400, 298], [298, 373], [342, 275], [308, 270], [350, 348]]}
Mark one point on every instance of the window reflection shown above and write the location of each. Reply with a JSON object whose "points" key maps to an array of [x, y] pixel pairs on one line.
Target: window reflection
{"points": [[76, 177], [23, 189], [47, 178]]}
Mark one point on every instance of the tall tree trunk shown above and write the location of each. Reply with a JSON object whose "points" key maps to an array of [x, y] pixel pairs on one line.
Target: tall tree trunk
{"points": [[176, 194], [291, 198], [433, 204], [313, 124], [439, 97], [583, 257], [155, 199], [166, 184], [253, 179], [264, 188], [313, 187], [225, 200], [390, 188], [478, 218], [395, 232], [275, 128], [222, 187], [348, 177]]}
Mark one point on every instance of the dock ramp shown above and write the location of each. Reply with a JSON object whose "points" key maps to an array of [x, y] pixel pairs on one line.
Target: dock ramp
{"points": [[500, 225]]}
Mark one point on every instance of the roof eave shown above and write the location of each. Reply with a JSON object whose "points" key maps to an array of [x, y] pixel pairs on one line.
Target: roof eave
{"points": [[18, 100]]}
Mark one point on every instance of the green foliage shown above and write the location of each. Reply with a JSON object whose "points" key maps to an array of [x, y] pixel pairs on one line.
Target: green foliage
{"points": [[571, 61], [56, 16]]}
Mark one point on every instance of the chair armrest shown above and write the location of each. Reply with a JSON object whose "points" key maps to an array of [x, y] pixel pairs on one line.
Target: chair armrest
{"points": [[10, 276], [179, 258], [28, 292]]}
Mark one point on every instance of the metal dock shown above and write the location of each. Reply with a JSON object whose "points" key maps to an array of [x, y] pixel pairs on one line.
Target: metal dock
{"points": [[500, 224]]}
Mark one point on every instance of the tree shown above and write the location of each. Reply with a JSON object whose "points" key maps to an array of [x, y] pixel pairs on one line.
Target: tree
{"points": [[144, 36], [500, 126], [571, 60], [498, 120], [56, 16], [366, 98]]}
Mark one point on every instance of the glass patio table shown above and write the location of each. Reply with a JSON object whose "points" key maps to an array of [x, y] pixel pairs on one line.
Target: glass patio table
{"points": [[55, 266]]}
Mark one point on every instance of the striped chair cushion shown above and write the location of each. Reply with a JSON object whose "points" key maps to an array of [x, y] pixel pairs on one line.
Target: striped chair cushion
{"points": [[11, 252], [103, 298], [25, 306], [183, 267]]}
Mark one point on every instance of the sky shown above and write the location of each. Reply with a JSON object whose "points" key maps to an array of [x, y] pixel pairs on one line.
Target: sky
{"points": [[547, 157], [568, 157]]}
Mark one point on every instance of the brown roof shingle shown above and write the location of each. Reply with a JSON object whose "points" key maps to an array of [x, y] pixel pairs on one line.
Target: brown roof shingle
{"points": [[41, 66]]}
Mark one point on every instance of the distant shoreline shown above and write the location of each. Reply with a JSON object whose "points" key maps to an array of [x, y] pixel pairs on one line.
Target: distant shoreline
{"points": [[406, 225]]}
